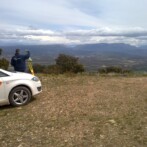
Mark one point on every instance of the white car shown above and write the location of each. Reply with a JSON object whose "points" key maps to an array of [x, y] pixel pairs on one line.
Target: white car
{"points": [[17, 88]]}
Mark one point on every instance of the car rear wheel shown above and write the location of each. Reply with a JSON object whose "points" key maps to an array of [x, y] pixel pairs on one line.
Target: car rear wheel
{"points": [[20, 96]]}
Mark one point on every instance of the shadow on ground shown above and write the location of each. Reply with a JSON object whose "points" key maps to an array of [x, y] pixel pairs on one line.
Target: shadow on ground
{"points": [[12, 107]]}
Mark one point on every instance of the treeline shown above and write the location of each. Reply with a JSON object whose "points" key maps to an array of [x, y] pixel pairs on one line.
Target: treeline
{"points": [[64, 64]]}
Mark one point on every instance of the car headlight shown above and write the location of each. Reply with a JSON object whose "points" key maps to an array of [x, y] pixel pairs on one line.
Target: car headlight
{"points": [[35, 79]]}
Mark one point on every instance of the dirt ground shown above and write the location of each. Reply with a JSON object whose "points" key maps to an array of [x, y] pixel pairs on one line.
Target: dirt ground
{"points": [[80, 111]]}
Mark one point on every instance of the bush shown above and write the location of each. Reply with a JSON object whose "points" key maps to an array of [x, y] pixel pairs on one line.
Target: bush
{"points": [[39, 68], [53, 69], [67, 63], [1, 51], [64, 64], [4, 63], [78, 68], [113, 69]]}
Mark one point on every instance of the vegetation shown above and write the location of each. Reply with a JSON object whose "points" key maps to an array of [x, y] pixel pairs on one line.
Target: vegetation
{"points": [[68, 63], [1, 51], [4, 63], [38, 68], [64, 64], [113, 69]]}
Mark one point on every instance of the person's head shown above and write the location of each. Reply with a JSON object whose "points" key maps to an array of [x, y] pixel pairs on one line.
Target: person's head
{"points": [[17, 51]]}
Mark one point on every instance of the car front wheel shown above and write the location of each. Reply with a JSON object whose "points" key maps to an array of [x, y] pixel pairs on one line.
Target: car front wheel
{"points": [[20, 96]]}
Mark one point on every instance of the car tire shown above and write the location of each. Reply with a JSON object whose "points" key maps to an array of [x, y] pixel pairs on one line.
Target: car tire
{"points": [[20, 96]]}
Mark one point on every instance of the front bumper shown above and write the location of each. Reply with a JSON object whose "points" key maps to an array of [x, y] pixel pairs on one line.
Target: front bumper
{"points": [[37, 88]]}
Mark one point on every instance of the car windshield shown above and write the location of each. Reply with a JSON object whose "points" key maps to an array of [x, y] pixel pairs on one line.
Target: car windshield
{"points": [[5, 72]]}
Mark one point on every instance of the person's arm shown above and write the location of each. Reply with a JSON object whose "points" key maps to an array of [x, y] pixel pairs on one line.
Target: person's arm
{"points": [[27, 55]]}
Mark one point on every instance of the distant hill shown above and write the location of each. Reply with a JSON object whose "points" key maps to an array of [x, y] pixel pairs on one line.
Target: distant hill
{"points": [[143, 47], [93, 56]]}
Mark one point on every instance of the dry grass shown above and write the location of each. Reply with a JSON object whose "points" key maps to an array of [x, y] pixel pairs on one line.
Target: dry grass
{"points": [[80, 111]]}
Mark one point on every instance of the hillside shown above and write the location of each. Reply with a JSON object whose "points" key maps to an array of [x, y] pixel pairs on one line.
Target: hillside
{"points": [[92, 56], [81, 110]]}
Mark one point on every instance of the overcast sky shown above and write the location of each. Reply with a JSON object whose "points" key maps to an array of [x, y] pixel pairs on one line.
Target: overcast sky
{"points": [[73, 21]]}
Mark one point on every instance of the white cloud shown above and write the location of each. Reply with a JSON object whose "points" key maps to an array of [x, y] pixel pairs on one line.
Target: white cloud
{"points": [[17, 34], [73, 21], [75, 12], [45, 12]]}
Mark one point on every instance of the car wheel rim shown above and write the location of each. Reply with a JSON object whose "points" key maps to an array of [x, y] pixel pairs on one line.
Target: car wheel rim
{"points": [[20, 97]]}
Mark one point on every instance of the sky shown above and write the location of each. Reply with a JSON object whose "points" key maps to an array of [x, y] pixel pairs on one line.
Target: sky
{"points": [[73, 22]]}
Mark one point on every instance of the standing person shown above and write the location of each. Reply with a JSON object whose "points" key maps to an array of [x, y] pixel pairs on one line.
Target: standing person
{"points": [[18, 61]]}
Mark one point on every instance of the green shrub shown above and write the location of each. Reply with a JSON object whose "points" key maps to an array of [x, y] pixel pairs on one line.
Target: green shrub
{"points": [[4, 63], [1, 51], [127, 71], [113, 69], [53, 69], [67, 63], [39, 68]]}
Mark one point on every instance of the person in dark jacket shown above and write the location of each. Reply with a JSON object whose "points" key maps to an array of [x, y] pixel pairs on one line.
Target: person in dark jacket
{"points": [[19, 61]]}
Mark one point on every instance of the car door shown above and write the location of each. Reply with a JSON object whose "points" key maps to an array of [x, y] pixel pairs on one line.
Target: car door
{"points": [[3, 76], [2, 89]]}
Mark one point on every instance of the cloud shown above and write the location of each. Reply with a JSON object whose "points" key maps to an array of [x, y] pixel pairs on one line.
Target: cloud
{"points": [[83, 13], [106, 31], [33, 35], [44, 13], [73, 21]]}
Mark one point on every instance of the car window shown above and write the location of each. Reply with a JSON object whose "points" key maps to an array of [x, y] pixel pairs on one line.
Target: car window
{"points": [[3, 74]]}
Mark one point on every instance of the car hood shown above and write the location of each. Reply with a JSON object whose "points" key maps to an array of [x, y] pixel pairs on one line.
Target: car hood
{"points": [[18, 75], [21, 75]]}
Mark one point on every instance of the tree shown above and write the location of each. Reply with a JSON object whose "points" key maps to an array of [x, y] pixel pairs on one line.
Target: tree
{"points": [[1, 51], [4, 63], [68, 63]]}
